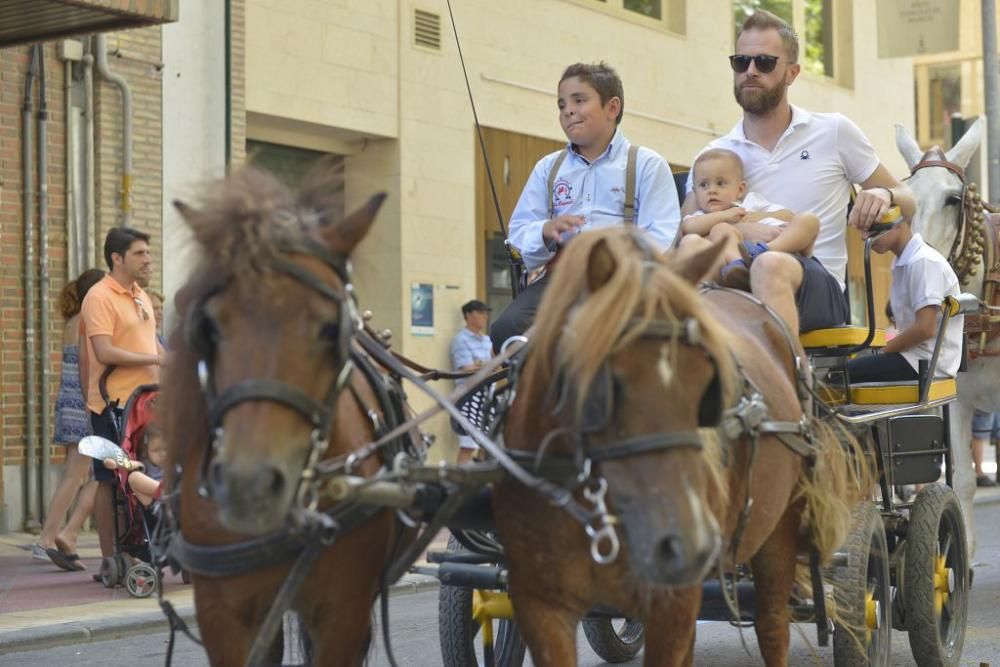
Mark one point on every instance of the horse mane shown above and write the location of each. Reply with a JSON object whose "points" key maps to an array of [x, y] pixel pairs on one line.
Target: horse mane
{"points": [[242, 222], [577, 330]]}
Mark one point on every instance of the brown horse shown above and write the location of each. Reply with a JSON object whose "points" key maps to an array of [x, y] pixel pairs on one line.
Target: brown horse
{"points": [[258, 389], [627, 363]]}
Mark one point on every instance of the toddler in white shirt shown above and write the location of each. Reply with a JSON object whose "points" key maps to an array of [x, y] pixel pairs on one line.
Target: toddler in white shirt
{"points": [[724, 203]]}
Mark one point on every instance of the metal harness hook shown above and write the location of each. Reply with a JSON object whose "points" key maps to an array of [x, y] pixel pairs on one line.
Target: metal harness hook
{"points": [[604, 543]]}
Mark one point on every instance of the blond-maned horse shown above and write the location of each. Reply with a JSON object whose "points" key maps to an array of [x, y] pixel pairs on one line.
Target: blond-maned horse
{"points": [[628, 362]]}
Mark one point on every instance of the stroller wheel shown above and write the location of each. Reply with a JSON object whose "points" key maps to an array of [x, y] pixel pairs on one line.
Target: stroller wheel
{"points": [[142, 580], [111, 571]]}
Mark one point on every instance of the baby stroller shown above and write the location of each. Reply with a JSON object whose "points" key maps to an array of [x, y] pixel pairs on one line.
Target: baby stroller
{"points": [[132, 563]]}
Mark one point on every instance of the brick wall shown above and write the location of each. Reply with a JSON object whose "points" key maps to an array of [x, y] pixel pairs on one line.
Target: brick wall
{"points": [[136, 56]]}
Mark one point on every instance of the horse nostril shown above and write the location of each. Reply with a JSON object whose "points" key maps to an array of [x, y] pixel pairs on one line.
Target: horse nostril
{"points": [[272, 480], [671, 551]]}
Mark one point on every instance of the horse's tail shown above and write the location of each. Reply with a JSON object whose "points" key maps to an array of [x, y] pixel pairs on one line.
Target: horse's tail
{"points": [[842, 475]]}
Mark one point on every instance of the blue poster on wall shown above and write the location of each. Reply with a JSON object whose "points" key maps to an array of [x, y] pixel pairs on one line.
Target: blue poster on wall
{"points": [[422, 309]]}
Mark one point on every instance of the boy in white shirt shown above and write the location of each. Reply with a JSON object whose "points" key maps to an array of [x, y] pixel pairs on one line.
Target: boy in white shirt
{"points": [[921, 279], [723, 201]]}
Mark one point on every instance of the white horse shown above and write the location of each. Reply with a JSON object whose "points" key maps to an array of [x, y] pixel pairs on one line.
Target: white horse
{"points": [[939, 190]]}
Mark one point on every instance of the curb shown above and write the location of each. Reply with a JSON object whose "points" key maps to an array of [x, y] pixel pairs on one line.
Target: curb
{"points": [[64, 634]]}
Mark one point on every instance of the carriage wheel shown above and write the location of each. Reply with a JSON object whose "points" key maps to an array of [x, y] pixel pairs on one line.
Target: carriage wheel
{"points": [[614, 644], [862, 631], [142, 580], [458, 630], [935, 579]]}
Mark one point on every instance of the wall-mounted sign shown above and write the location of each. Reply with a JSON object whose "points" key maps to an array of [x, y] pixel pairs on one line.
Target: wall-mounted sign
{"points": [[422, 309], [917, 27]]}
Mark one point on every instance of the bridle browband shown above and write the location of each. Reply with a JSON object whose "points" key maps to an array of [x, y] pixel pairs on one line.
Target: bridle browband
{"points": [[970, 240]]}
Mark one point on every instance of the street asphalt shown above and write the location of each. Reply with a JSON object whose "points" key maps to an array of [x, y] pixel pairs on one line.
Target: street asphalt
{"points": [[36, 633]]}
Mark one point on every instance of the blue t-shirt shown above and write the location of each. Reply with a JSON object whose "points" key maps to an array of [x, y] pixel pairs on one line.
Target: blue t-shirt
{"points": [[468, 347]]}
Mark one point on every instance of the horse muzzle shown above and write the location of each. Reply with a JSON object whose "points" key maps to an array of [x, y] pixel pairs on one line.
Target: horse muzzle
{"points": [[670, 545], [252, 498]]}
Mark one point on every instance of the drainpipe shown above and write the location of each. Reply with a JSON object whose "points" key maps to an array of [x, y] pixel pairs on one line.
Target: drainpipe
{"points": [[100, 46], [73, 256], [228, 28], [43, 288], [30, 348], [90, 184]]}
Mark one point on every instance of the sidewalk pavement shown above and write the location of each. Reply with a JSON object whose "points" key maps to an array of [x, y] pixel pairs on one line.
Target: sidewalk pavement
{"points": [[43, 606]]}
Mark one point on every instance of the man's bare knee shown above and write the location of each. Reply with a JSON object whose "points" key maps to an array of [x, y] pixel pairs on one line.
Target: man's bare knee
{"points": [[777, 267]]}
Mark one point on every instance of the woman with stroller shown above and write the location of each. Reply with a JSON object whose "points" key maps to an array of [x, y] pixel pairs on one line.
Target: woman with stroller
{"points": [[72, 424]]}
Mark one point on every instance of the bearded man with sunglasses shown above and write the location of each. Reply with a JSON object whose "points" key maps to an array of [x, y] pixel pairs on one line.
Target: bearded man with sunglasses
{"points": [[807, 161]]}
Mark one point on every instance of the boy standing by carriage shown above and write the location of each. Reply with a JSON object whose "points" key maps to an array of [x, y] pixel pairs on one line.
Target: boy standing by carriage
{"points": [[586, 186]]}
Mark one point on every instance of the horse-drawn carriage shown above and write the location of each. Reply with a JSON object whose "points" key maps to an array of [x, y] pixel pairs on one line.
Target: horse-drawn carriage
{"points": [[659, 435], [904, 565]]}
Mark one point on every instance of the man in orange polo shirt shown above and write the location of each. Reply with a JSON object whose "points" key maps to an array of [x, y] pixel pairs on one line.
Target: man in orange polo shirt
{"points": [[120, 330]]}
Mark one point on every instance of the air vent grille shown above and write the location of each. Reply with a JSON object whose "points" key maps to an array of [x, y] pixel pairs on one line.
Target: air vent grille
{"points": [[427, 29]]}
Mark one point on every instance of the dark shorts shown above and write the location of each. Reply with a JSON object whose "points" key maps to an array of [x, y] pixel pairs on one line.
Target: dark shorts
{"points": [[820, 299], [102, 425], [986, 425]]}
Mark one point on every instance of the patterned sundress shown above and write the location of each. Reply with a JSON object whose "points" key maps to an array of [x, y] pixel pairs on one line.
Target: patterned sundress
{"points": [[72, 420]]}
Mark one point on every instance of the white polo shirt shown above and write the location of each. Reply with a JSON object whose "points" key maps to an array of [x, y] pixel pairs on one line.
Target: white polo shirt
{"points": [[922, 277], [811, 170]]}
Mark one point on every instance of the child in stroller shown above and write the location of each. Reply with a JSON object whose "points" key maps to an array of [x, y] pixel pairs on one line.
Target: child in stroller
{"points": [[135, 495], [144, 475]]}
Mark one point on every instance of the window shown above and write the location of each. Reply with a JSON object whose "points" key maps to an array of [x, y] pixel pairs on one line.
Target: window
{"points": [[670, 14], [822, 26], [650, 8], [938, 96]]}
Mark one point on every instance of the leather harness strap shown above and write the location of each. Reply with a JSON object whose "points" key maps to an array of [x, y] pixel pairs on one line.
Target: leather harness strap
{"points": [[633, 152], [628, 212]]}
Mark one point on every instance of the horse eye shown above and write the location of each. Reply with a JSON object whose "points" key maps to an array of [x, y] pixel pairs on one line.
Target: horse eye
{"points": [[953, 200], [330, 331]]}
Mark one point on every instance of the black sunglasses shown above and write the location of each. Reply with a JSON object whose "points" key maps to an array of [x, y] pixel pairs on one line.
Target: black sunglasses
{"points": [[764, 64]]}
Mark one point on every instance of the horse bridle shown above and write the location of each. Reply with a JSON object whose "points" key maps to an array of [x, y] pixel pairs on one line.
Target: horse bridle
{"points": [[319, 414], [969, 244], [598, 406]]}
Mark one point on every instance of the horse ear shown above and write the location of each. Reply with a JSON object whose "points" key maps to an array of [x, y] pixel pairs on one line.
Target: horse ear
{"points": [[962, 152], [344, 235], [907, 146], [601, 265], [185, 211], [692, 267]]}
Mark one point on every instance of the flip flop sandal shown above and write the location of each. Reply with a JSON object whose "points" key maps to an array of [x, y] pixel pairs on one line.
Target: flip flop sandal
{"points": [[38, 553], [735, 275], [62, 560]]}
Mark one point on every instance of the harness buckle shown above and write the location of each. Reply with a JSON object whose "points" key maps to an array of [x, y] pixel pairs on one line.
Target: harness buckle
{"points": [[604, 543]]}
